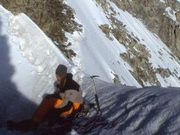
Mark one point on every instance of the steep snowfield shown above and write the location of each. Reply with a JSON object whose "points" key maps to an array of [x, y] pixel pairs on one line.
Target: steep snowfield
{"points": [[104, 54], [27, 63], [97, 50]]}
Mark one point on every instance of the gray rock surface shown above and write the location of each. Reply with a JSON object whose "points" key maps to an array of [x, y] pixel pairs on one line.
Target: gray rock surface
{"points": [[154, 16]]}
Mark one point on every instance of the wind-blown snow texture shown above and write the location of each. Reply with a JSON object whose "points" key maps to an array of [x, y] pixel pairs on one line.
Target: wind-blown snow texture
{"points": [[139, 111], [27, 63]]}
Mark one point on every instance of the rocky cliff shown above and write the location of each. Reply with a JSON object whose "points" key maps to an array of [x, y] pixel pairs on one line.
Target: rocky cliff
{"points": [[53, 16], [161, 17]]}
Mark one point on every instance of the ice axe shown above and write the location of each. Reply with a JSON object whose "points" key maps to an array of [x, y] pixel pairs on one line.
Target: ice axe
{"points": [[95, 92]]}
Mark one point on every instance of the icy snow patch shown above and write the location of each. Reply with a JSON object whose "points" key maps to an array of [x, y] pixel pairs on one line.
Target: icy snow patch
{"points": [[162, 1], [170, 13]]}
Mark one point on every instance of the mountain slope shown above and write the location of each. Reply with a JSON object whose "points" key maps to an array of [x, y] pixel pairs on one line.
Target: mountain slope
{"points": [[160, 16], [28, 60], [126, 50], [115, 32]]}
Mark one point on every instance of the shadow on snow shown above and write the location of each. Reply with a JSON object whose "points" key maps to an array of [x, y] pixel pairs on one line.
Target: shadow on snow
{"points": [[9, 95]]}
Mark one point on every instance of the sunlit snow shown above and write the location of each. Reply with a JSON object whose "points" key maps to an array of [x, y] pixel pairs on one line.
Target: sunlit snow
{"points": [[103, 53]]}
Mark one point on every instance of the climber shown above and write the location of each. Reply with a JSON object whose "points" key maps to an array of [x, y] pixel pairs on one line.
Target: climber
{"points": [[61, 106]]}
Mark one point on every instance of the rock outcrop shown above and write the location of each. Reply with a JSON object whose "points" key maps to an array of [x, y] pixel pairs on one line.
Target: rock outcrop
{"points": [[52, 16], [137, 54], [161, 16]]}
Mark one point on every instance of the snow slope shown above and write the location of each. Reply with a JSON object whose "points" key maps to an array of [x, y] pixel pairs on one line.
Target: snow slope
{"points": [[28, 59], [97, 50], [104, 54]]}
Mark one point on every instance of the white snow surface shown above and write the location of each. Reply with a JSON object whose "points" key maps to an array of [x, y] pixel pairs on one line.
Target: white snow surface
{"points": [[104, 54], [162, 1], [28, 59], [170, 13]]}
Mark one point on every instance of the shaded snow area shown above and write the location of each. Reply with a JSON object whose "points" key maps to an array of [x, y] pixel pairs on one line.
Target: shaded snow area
{"points": [[28, 59], [138, 111]]}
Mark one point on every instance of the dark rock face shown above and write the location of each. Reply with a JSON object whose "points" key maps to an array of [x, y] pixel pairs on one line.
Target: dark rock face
{"points": [[52, 16], [154, 14]]}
